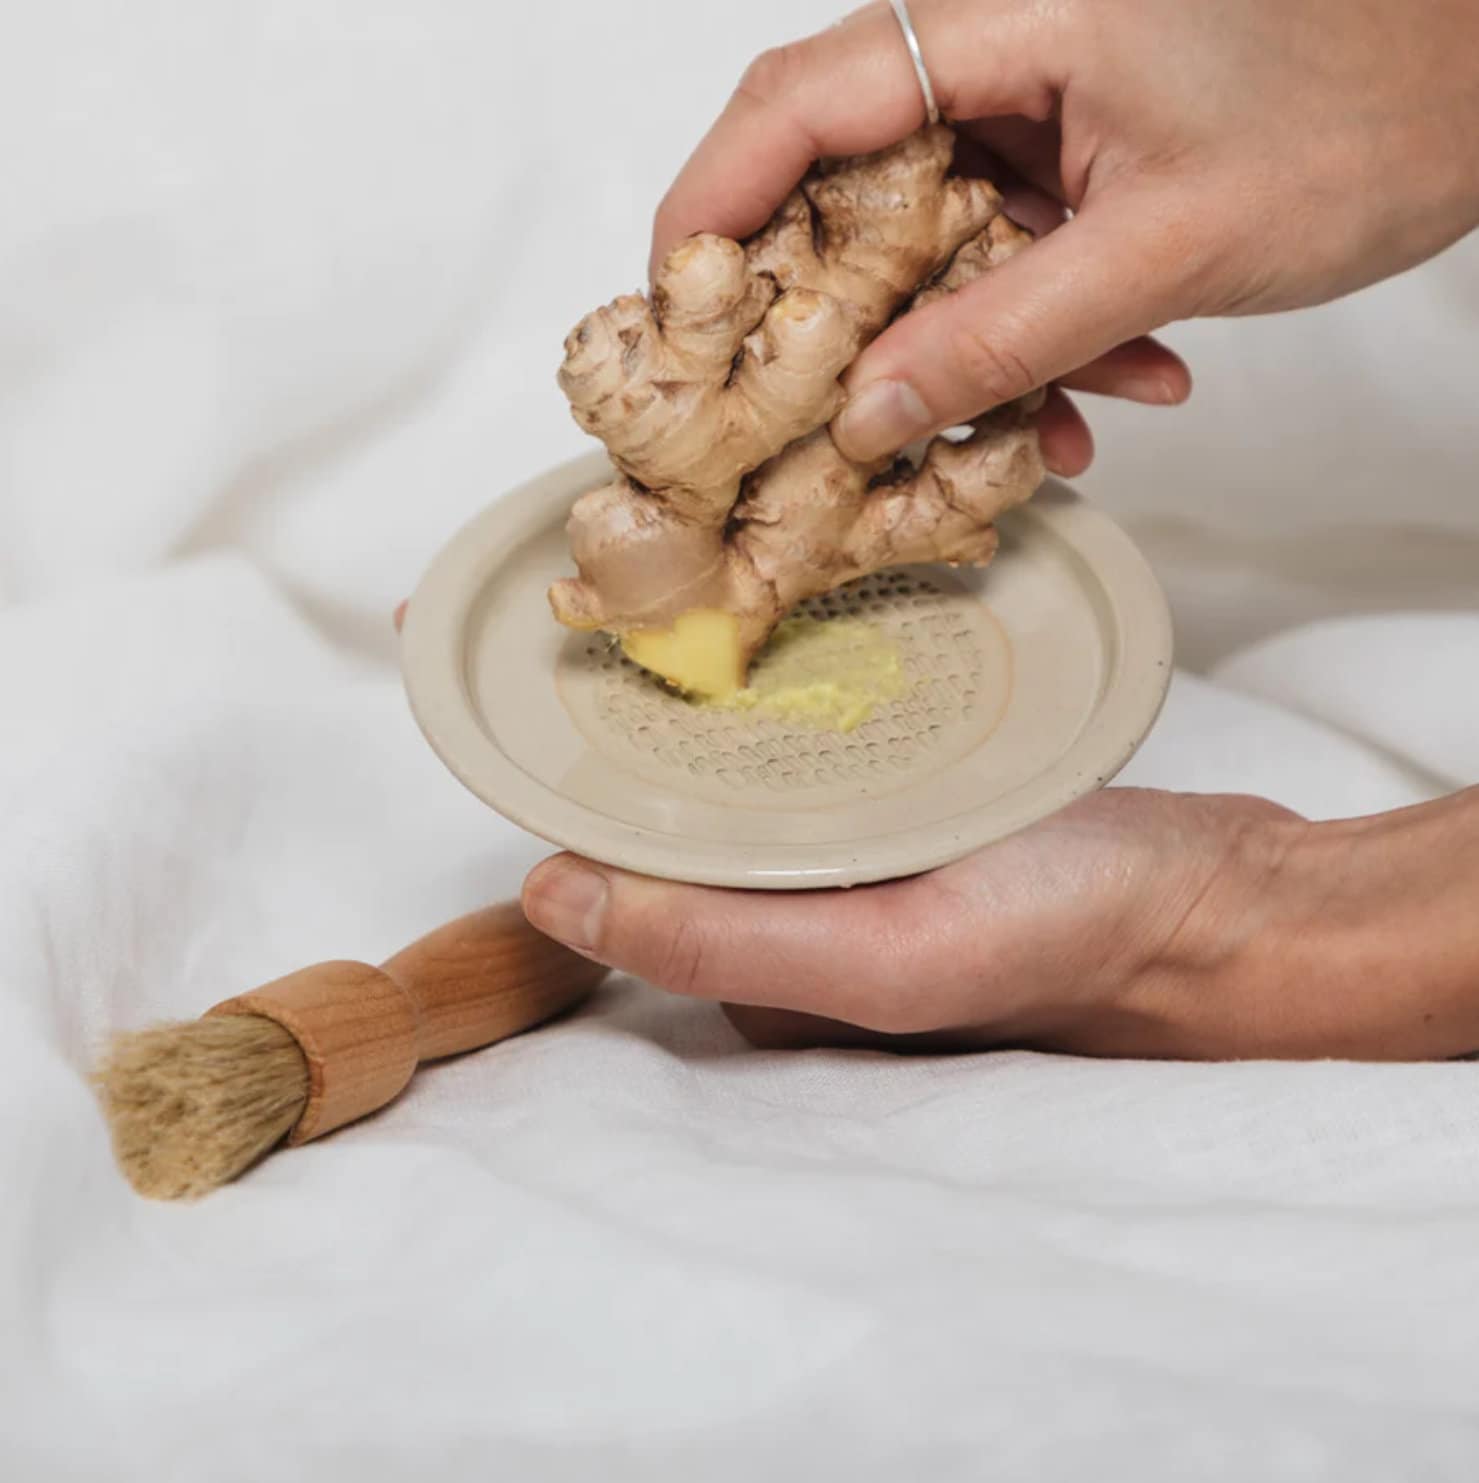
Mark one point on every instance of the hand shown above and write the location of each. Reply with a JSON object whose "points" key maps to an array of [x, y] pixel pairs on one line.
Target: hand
{"points": [[1217, 159], [1132, 924]]}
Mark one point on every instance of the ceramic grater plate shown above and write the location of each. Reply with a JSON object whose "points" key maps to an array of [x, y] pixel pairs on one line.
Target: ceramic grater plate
{"points": [[1030, 683]]}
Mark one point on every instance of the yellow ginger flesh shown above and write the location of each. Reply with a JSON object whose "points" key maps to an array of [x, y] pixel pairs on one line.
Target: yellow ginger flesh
{"points": [[700, 654]]}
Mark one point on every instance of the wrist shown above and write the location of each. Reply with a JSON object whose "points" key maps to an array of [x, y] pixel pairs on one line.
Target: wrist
{"points": [[1363, 939]]}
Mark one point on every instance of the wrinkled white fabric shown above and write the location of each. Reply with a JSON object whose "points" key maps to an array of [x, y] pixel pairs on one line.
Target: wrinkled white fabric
{"points": [[281, 290]]}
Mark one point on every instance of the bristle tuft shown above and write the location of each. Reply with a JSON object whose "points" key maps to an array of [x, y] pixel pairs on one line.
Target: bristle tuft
{"points": [[193, 1105]]}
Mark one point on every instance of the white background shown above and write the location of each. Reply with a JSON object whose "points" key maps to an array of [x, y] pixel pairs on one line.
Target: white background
{"points": [[282, 288]]}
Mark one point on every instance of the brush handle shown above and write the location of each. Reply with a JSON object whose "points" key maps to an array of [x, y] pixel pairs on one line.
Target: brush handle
{"points": [[484, 977], [363, 1030]]}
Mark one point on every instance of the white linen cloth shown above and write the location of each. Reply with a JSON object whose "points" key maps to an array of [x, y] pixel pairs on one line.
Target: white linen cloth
{"points": [[281, 290]]}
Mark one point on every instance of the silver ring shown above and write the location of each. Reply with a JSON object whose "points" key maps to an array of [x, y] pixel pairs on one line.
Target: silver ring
{"points": [[911, 40]]}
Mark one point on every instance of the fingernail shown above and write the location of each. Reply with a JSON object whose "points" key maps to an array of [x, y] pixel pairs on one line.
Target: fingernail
{"points": [[567, 901], [1156, 393], [879, 420]]}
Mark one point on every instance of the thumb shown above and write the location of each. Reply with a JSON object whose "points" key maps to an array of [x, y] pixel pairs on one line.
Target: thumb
{"points": [[1112, 273], [858, 956]]}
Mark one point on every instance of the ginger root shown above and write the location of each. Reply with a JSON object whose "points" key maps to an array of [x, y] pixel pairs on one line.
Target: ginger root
{"points": [[712, 398]]}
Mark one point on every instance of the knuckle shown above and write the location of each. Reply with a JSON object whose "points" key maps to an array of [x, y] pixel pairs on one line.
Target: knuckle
{"points": [[774, 74], [895, 995], [993, 371], [682, 955]]}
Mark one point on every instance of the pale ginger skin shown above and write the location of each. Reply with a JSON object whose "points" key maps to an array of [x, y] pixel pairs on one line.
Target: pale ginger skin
{"points": [[712, 399], [716, 374]]}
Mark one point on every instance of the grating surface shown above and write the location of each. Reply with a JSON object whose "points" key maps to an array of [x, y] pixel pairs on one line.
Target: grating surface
{"points": [[957, 673]]}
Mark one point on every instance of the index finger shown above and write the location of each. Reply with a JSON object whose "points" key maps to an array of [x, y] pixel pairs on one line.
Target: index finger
{"points": [[846, 90]]}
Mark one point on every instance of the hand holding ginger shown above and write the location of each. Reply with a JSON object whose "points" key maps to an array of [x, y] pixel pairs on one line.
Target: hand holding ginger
{"points": [[1217, 159]]}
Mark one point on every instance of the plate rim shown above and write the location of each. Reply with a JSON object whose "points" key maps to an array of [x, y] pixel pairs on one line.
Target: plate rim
{"points": [[432, 649]]}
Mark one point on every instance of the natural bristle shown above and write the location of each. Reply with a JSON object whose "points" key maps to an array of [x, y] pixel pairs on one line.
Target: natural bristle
{"points": [[193, 1105]]}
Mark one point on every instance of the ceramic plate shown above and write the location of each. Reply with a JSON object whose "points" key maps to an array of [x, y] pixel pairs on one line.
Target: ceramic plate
{"points": [[1029, 683]]}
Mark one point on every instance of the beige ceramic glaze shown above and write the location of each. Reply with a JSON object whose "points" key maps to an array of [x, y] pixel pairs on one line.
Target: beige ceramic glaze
{"points": [[1030, 683]]}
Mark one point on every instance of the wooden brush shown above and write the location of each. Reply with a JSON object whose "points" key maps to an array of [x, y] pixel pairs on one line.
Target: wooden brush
{"points": [[193, 1105]]}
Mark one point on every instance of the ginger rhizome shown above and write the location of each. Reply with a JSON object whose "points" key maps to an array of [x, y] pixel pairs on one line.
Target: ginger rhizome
{"points": [[712, 396]]}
